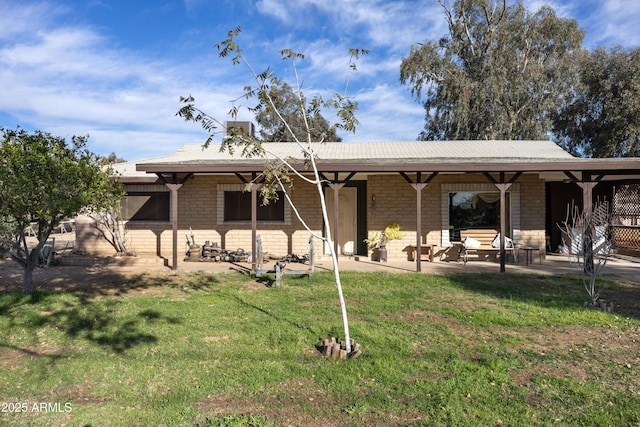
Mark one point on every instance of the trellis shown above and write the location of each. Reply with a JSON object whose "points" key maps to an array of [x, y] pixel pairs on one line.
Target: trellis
{"points": [[625, 217]]}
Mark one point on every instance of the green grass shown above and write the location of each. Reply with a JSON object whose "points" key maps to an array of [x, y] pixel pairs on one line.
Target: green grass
{"points": [[203, 350]]}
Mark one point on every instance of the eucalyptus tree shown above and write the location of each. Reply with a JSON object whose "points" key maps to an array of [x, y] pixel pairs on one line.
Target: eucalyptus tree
{"points": [[499, 73], [288, 105], [278, 172], [603, 118], [44, 180]]}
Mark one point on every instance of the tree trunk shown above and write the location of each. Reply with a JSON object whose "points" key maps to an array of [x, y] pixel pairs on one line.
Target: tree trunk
{"points": [[28, 286], [27, 279]]}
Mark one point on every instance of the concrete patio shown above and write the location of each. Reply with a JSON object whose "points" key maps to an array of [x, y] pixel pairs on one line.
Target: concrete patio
{"points": [[627, 268], [624, 267]]}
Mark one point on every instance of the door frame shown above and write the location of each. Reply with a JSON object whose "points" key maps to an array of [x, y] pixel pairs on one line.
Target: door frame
{"points": [[361, 214]]}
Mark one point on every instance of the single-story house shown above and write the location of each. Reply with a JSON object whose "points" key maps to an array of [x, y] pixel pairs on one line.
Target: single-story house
{"points": [[433, 189]]}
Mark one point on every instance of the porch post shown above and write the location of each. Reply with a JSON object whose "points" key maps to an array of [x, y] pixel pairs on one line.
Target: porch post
{"points": [[503, 187], [174, 221], [335, 186], [587, 195], [254, 224], [419, 187], [503, 222], [587, 206]]}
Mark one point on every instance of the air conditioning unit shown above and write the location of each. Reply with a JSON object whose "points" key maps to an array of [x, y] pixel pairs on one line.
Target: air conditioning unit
{"points": [[247, 127]]}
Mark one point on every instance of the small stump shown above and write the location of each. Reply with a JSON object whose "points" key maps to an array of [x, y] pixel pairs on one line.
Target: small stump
{"points": [[601, 304], [336, 349]]}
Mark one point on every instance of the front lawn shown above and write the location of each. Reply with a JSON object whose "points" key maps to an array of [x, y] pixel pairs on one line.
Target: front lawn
{"points": [[225, 350]]}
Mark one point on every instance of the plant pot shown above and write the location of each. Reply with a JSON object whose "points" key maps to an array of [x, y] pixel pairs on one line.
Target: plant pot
{"points": [[383, 253]]}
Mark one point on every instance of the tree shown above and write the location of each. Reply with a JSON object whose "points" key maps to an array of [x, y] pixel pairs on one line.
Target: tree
{"points": [[43, 180], [498, 74], [603, 119], [291, 107], [590, 242], [106, 213], [111, 159], [278, 172]]}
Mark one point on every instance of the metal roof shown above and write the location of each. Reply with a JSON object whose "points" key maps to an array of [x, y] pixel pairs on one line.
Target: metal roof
{"points": [[411, 156]]}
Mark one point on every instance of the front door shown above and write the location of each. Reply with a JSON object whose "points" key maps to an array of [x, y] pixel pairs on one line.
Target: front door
{"points": [[347, 219]]}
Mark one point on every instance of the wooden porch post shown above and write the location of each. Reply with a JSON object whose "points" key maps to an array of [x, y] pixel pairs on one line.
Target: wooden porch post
{"points": [[419, 187], [254, 224], [174, 221], [503, 187], [335, 186], [587, 206]]}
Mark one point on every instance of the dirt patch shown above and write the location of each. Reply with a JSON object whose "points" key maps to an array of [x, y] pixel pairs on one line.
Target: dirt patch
{"points": [[299, 401]]}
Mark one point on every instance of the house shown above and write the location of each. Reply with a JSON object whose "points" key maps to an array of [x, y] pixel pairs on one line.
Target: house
{"points": [[433, 189]]}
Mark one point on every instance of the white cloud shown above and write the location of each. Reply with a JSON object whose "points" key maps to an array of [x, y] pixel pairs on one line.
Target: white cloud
{"points": [[64, 73], [387, 113]]}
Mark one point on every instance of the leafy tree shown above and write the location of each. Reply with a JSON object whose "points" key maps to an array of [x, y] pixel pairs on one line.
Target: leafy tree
{"points": [[279, 171], [43, 180], [498, 74], [603, 120], [290, 106], [107, 213], [111, 159]]}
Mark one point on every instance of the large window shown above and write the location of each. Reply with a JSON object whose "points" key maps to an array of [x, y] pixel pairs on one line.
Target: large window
{"points": [[146, 206], [237, 207], [476, 209]]}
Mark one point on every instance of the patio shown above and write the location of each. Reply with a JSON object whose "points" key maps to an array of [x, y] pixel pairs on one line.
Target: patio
{"points": [[624, 267]]}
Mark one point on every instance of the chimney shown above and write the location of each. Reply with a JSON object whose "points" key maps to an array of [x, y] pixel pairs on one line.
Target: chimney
{"points": [[246, 127]]}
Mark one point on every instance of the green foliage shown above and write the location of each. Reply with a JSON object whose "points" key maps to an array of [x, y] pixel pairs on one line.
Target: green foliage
{"points": [[111, 159], [380, 238], [499, 73], [282, 110], [603, 119], [290, 106], [44, 180]]}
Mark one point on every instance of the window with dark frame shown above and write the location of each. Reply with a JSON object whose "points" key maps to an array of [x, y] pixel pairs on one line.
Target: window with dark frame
{"points": [[237, 207], [476, 209], [146, 206]]}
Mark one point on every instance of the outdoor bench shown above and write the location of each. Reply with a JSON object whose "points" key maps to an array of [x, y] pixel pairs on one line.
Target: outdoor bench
{"points": [[426, 252], [486, 238]]}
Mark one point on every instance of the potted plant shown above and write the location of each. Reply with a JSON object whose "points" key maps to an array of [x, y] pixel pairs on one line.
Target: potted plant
{"points": [[378, 241]]}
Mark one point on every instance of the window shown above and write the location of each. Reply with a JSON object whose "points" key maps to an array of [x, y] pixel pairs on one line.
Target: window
{"points": [[237, 207], [476, 209], [146, 206]]}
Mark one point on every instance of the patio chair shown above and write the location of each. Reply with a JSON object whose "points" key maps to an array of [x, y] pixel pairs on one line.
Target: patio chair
{"points": [[46, 253]]}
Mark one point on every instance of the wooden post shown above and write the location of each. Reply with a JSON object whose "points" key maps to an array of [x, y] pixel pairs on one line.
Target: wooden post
{"points": [[419, 187], [254, 223], [174, 221], [335, 186], [587, 207], [503, 187]]}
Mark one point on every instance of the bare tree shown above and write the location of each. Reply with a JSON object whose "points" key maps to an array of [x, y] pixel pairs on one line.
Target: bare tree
{"points": [[109, 223], [589, 243], [279, 171]]}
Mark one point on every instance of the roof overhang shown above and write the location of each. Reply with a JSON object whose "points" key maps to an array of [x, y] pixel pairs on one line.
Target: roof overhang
{"points": [[608, 166]]}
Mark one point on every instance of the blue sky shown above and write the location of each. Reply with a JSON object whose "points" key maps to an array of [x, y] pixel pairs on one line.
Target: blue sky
{"points": [[115, 69]]}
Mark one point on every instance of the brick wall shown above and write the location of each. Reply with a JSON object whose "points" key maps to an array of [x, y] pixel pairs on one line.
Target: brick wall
{"points": [[390, 199]]}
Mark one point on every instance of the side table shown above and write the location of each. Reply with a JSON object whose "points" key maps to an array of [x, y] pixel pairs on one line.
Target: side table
{"points": [[528, 255]]}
